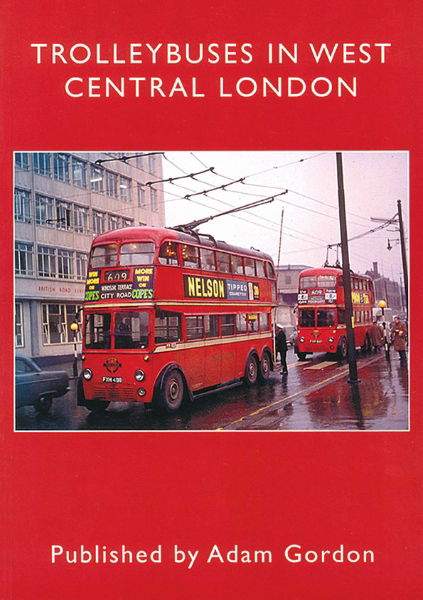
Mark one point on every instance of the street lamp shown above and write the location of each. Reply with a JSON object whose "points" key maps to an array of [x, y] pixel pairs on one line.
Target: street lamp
{"points": [[74, 327], [382, 305]]}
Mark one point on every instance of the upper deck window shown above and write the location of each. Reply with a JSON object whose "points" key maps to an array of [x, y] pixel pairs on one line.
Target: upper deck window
{"points": [[270, 270], [237, 264], [260, 268], [308, 282], [250, 268], [104, 256], [326, 281], [223, 262], [208, 261], [190, 256], [137, 253], [168, 254]]}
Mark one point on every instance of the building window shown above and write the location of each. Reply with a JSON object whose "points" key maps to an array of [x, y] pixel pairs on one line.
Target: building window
{"points": [[125, 189], [154, 203], [80, 219], [96, 179], [127, 222], [288, 279], [44, 211], [139, 162], [19, 330], [65, 264], [46, 261], [111, 184], [24, 262], [140, 195], [61, 167], [99, 222], [113, 222], [81, 265], [79, 173], [22, 160], [22, 206], [42, 163], [57, 319], [152, 164], [63, 215]]}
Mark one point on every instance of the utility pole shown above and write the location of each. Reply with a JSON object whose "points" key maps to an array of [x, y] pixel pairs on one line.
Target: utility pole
{"points": [[403, 253], [352, 363]]}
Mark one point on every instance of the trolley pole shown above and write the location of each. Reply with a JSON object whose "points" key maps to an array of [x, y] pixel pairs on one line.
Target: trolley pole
{"points": [[352, 363], [403, 253]]}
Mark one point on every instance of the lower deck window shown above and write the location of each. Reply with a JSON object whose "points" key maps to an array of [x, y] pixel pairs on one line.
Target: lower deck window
{"points": [[167, 327], [131, 329], [228, 325], [97, 330]]}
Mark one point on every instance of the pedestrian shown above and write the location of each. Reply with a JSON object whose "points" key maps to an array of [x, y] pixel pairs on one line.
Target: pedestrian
{"points": [[281, 347], [399, 332], [376, 336]]}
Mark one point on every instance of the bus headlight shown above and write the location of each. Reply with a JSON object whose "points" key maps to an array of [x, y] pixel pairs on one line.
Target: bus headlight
{"points": [[302, 339], [141, 392], [87, 374], [330, 339], [139, 375]]}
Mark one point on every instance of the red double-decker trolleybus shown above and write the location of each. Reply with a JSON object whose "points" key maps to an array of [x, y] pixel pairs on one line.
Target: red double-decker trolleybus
{"points": [[171, 314], [321, 312]]}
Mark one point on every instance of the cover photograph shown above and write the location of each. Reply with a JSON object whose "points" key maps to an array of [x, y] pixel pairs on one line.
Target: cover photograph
{"points": [[209, 308]]}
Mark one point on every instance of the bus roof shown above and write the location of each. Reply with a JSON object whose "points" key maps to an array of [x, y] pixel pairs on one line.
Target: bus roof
{"points": [[328, 271], [161, 234]]}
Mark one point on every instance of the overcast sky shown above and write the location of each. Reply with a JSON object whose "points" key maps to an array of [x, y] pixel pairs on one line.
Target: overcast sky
{"points": [[373, 183]]}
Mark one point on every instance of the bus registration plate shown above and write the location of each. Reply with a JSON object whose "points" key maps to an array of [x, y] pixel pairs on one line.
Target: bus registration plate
{"points": [[108, 379]]}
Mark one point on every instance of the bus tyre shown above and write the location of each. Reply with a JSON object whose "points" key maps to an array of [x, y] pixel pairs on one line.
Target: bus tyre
{"points": [[172, 391], [265, 366], [96, 405], [342, 349], [301, 355], [251, 370]]}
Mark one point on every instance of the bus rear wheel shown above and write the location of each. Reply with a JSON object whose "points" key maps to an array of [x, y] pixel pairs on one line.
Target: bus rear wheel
{"points": [[264, 368], [172, 391], [251, 370]]}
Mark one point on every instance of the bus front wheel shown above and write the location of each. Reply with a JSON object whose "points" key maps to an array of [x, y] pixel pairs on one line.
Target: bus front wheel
{"points": [[301, 355], [342, 349], [96, 405], [171, 394], [251, 370]]}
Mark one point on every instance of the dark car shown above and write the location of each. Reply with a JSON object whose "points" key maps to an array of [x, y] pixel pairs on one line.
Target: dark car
{"points": [[36, 387]]}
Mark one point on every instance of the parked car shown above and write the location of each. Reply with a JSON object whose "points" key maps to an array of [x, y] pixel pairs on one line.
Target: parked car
{"points": [[36, 387]]}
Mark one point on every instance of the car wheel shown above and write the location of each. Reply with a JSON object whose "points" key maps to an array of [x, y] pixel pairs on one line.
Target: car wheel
{"points": [[251, 371], [264, 368], [43, 404]]}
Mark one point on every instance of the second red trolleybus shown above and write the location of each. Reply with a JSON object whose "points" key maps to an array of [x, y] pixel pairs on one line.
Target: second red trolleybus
{"points": [[170, 314], [321, 312]]}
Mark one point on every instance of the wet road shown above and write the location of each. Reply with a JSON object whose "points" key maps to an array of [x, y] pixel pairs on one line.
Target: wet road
{"points": [[314, 395]]}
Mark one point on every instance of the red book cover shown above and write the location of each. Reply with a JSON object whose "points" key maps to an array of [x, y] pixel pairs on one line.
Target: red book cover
{"points": [[305, 486]]}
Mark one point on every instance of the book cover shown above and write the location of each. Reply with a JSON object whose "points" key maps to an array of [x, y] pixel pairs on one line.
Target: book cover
{"points": [[307, 491]]}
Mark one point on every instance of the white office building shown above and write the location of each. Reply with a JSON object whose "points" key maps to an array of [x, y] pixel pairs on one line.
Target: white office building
{"points": [[62, 200]]}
